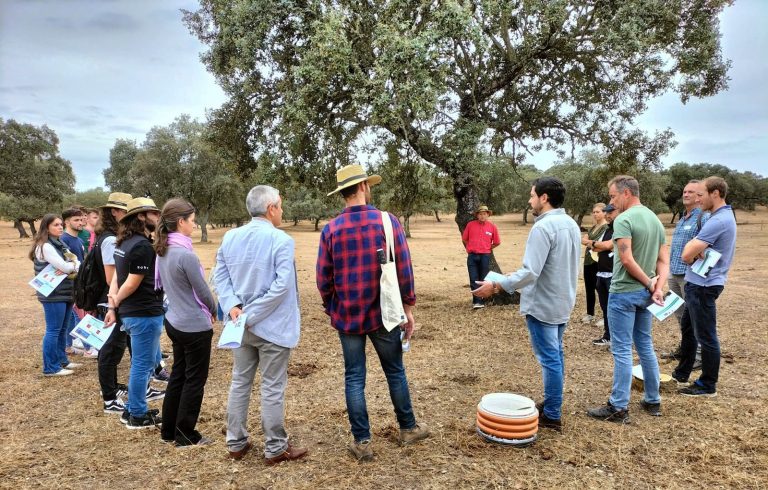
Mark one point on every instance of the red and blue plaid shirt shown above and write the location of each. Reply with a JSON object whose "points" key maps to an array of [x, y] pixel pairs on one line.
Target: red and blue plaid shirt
{"points": [[348, 272]]}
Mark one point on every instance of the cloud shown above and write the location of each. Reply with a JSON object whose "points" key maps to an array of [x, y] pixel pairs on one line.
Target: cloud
{"points": [[112, 21]]}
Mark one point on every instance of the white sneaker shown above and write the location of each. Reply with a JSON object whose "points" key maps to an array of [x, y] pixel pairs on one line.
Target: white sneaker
{"points": [[587, 319], [73, 365], [600, 323], [78, 344], [60, 372], [91, 353], [477, 306]]}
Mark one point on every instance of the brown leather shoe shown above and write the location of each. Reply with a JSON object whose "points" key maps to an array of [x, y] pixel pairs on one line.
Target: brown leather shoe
{"points": [[238, 455], [289, 454]]}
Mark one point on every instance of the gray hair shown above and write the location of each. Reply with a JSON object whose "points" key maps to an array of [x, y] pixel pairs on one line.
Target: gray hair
{"points": [[625, 182], [259, 198]]}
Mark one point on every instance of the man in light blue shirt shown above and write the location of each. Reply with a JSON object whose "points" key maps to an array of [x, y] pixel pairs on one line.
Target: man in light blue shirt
{"points": [[256, 276], [699, 323], [547, 283]]}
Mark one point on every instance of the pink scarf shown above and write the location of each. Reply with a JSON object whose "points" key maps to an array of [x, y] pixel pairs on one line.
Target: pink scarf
{"points": [[176, 239]]}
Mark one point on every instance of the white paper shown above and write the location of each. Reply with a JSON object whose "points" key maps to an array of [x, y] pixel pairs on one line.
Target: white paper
{"points": [[703, 266], [671, 303], [494, 277], [45, 282], [232, 335], [92, 331]]}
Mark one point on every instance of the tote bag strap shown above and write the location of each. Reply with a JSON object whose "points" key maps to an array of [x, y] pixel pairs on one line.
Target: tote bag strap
{"points": [[388, 236]]}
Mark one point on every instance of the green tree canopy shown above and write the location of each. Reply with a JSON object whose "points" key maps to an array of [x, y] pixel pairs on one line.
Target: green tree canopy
{"points": [[456, 80], [34, 177]]}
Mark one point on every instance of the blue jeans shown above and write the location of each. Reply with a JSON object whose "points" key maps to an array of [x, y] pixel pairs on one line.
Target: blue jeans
{"points": [[547, 344], [57, 318], [699, 327], [389, 350], [477, 265], [630, 321], [145, 341]]}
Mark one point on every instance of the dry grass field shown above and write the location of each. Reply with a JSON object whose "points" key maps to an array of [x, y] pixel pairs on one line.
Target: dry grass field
{"points": [[54, 434]]}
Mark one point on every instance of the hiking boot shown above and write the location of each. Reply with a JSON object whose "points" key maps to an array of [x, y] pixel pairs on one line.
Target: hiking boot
{"points": [[548, 423], [672, 356], [114, 406], [362, 451], [601, 341], [653, 409], [415, 434], [291, 453], [240, 453], [148, 420], [697, 390], [679, 378], [153, 394], [609, 413]]}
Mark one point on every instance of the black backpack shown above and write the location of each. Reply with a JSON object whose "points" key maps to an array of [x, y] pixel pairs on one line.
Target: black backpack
{"points": [[91, 283]]}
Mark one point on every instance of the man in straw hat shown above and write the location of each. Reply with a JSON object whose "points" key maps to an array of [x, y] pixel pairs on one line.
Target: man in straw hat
{"points": [[348, 275], [480, 237], [547, 282], [133, 297], [111, 353], [256, 276]]}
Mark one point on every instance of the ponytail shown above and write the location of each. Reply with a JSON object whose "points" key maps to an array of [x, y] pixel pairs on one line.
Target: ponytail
{"points": [[173, 211]]}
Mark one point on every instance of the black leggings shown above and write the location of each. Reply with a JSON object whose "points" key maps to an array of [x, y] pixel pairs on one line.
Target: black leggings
{"points": [[590, 285]]}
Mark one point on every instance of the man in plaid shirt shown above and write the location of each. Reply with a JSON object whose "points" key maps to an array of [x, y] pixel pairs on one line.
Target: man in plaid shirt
{"points": [[348, 275]]}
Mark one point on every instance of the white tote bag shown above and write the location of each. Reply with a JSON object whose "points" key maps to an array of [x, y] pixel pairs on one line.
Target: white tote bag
{"points": [[392, 312]]}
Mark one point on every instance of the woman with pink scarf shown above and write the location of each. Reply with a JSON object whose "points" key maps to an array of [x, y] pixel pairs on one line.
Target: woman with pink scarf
{"points": [[187, 322]]}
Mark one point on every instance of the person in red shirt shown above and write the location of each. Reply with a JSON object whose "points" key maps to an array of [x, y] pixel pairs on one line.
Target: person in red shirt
{"points": [[479, 237]]}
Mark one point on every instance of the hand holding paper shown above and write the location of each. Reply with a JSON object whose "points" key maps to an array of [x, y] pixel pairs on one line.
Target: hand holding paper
{"points": [[232, 335]]}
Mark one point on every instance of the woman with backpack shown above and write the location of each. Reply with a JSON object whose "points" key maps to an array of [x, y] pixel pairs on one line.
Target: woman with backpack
{"points": [[188, 323], [57, 306]]}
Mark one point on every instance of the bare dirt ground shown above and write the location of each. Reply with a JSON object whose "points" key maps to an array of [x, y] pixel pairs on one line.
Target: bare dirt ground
{"points": [[54, 434]]}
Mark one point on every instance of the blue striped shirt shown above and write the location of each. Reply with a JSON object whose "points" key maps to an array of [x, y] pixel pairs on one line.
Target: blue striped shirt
{"points": [[685, 230]]}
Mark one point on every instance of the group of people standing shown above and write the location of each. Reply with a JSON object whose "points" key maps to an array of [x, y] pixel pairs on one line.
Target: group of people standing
{"points": [[147, 253], [630, 271]]}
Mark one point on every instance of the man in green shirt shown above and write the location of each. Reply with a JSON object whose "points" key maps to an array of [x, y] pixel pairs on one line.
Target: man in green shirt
{"points": [[640, 269]]}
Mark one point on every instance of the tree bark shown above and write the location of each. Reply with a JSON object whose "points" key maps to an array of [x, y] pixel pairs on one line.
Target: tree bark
{"points": [[31, 224], [437, 216], [317, 224], [22, 232], [525, 216], [202, 220], [407, 226]]}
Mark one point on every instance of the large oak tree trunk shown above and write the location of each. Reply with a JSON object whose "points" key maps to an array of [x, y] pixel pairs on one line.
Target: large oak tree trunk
{"points": [[20, 228], [467, 201], [31, 224]]}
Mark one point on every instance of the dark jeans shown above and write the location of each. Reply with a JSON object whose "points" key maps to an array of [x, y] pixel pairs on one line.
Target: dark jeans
{"points": [[699, 324], [184, 394], [603, 286], [590, 285], [389, 350], [477, 265], [110, 355]]}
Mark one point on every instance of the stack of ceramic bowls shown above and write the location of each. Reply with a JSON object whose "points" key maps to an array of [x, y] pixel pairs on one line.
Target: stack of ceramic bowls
{"points": [[507, 418]]}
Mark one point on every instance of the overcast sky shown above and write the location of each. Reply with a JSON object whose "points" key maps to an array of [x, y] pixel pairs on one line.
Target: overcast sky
{"points": [[95, 71]]}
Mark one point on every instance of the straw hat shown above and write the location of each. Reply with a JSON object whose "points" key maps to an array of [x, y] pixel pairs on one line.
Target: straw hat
{"points": [[483, 208], [140, 205], [353, 175], [118, 200]]}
